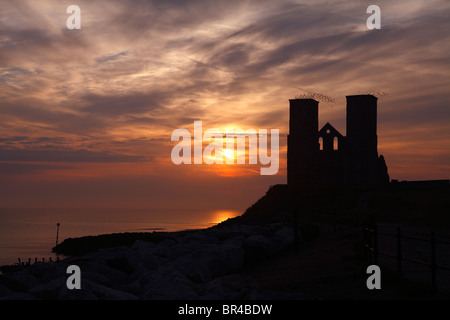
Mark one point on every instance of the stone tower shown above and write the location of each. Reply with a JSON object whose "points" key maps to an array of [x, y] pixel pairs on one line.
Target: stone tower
{"points": [[325, 156], [302, 140], [361, 139]]}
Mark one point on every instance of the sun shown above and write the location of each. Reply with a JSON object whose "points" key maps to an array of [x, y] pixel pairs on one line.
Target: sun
{"points": [[229, 154]]}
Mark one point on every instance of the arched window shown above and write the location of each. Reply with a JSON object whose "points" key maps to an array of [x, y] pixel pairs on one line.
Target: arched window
{"points": [[335, 143], [320, 143]]}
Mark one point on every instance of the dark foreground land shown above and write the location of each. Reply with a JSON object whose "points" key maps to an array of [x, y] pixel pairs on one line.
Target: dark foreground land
{"points": [[333, 264], [293, 244], [332, 267]]}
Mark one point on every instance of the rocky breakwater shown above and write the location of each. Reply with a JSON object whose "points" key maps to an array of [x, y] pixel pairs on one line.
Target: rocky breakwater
{"points": [[197, 264]]}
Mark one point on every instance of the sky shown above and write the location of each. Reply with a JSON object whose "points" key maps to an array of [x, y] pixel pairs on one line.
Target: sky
{"points": [[86, 116]]}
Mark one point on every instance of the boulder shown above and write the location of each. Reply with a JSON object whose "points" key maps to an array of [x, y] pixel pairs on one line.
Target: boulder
{"points": [[163, 249], [284, 236], [49, 290], [229, 287], [46, 272], [21, 279], [257, 247], [4, 291], [209, 261], [94, 291], [167, 283], [19, 296]]}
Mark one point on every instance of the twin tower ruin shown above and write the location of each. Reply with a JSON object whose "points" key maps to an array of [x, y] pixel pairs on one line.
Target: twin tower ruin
{"points": [[325, 156]]}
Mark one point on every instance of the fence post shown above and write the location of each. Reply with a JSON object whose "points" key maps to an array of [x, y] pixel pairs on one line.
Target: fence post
{"points": [[334, 220], [433, 261], [399, 251], [375, 245], [366, 246], [295, 231]]}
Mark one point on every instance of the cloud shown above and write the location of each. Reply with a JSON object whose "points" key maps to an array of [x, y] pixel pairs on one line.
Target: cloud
{"points": [[13, 168], [52, 155], [109, 58], [131, 103], [114, 91]]}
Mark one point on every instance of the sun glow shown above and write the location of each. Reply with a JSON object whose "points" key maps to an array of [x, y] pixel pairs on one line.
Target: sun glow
{"points": [[229, 154]]}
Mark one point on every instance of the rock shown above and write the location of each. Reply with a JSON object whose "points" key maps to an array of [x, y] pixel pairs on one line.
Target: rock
{"points": [[229, 287], [186, 265], [109, 253], [49, 290], [263, 230], [19, 296], [94, 291], [309, 231], [167, 283], [284, 236], [121, 264], [257, 247], [4, 291], [183, 250], [198, 237], [209, 261], [259, 294], [21, 279], [143, 246], [46, 272], [224, 234], [149, 261], [134, 287], [98, 270], [163, 249], [81, 294], [107, 293]]}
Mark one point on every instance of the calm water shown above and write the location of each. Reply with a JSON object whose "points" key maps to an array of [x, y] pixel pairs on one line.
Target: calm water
{"points": [[31, 233]]}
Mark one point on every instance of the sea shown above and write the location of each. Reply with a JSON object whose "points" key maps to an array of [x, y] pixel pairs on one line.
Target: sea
{"points": [[30, 234]]}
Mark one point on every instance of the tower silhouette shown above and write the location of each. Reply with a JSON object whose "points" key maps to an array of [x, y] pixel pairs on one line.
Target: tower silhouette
{"points": [[302, 140], [325, 156], [361, 140]]}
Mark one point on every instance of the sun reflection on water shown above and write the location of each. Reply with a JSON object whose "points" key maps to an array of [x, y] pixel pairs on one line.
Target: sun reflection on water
{"points": [[219, 216]]}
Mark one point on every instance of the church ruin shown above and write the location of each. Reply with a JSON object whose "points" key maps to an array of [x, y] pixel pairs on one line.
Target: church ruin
{"points": [[325, 156]]}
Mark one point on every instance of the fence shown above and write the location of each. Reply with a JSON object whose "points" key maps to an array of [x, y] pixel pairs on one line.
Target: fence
{"points": [[370, 241]]}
